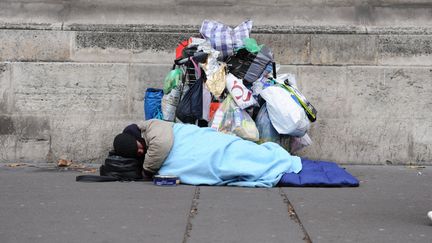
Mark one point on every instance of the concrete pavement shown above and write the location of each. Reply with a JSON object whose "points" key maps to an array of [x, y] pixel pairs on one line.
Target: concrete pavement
{"points": [[47, 205]]}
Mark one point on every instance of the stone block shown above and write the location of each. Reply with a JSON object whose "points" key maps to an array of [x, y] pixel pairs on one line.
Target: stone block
{"points": [[389, 93], [405, 50], [7, 148], [343, 49], [39, 12], [87, 138], [383, 113], [361, 141], [35, 45], [24, 139], [65, 89], [287, 48], [420, 142], [142, 77], [326, 89], [5, 88], [147, 47], [367, 92]]}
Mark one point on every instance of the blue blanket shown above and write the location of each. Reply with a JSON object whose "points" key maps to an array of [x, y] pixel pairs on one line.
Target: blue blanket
{"points": [[319, 174], [202, 156]]}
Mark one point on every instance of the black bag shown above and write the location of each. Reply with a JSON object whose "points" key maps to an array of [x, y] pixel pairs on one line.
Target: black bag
{"points": [[116, 168], [249, 66], [190, 107]]}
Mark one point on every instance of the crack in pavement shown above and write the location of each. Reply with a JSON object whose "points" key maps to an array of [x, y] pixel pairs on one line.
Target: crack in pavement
{"points": [[192, 213], [293, 215]]}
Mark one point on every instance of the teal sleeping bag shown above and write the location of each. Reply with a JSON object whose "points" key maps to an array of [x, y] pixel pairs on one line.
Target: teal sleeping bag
{"points": [[203, 156]]}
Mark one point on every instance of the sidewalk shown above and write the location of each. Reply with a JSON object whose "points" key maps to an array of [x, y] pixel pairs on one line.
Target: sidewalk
{"points": [[47, 205]]}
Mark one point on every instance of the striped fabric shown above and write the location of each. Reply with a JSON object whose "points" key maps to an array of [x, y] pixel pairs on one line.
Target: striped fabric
{"points": [[224, 38]]}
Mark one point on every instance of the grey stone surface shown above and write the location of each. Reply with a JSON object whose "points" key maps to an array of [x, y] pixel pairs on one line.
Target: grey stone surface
{"points": [[70, 89], [288, 48], [365, 141], [157, 45], [46, 206], [389, 206], [368, 92], [5, 88], [243, 215], [343, 49], [144, 47], [142, 77], [35, 45], [403, 50], [71, 111], [368, 114], [310, 12]]}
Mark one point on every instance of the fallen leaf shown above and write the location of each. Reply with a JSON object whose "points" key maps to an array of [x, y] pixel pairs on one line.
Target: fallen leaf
{"points": [[63, 163], [13, 165]]}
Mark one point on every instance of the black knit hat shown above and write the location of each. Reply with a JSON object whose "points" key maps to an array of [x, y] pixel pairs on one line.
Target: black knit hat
{"points": [[125, 145]]}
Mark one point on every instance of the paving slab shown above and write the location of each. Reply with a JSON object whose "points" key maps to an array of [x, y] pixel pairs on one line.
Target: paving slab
{"points": [[227, 214], [49, 206], [389, 206]]}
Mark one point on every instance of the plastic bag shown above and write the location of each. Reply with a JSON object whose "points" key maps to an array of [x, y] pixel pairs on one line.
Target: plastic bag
{"points": [[286, 115], [224, 38], [241, 95], [216, 81], [190, 108], [251, 45], [289, 77], [214, 106], [230, 119], [172, 80], [170, 102], [206, 103], [152, 103], [248, 66], [297, 144], [267, 133]]}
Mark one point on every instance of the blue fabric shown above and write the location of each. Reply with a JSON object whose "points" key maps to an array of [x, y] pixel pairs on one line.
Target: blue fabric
{"points": [[319, 174], [202, 156], [152, 103]]}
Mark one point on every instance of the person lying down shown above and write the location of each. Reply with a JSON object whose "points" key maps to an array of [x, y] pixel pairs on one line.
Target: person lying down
{"points": [[203, 156]]}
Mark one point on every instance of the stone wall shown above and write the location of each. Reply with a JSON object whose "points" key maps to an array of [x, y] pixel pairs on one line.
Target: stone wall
{"points": [[74, 73]]}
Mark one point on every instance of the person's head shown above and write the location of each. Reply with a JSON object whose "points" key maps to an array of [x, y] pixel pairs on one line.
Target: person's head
{"points": [[128, 146]]}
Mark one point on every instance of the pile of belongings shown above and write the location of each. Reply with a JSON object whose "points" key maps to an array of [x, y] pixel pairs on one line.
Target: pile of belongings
{"points": [[226, 81]]}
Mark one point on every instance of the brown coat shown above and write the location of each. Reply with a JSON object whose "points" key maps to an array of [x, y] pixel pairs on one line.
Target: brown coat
{"points": [[159, 138]]}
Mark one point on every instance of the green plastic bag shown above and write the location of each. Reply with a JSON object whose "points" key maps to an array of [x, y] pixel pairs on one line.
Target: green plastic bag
{"points": [[251, 45], [172, 80]]}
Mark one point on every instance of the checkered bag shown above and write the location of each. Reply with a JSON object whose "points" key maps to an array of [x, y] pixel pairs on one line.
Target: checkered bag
{"points": [[224, 38]]}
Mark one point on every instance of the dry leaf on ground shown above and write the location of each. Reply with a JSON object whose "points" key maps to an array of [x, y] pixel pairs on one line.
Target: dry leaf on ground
{"points": [[13, 165], [63, 163]]}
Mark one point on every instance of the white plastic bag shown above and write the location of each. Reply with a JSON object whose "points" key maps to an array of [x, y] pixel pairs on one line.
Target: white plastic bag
{"points": [[169, 104], [286, 115], [241, 95]]}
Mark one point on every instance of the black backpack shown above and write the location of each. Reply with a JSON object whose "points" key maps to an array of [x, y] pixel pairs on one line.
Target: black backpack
{"points": [[116, 168]]}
